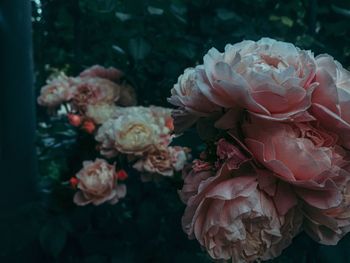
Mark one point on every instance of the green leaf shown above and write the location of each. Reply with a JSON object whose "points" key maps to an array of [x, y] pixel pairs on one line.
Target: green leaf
{"points": [[155, 11], [53, 238], [341, 11], [139, 48], [225, 14], [122, 16], [287, 21]]}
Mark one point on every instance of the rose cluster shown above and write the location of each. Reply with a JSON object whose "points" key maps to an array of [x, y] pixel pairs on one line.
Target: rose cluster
{"points": [[102, 102], [276, 121]]}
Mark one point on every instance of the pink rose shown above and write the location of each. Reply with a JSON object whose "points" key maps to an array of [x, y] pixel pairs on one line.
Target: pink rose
{"points": [[156, 161], [301, 154], [57, 91], [98, 71], [193, 177], [162, 160], [97, 182], [328, 226], [127, 92], [94, 91], [232, 218], [187, 95], [230, 154], [199, 165], [331, 100], [269, 78]]}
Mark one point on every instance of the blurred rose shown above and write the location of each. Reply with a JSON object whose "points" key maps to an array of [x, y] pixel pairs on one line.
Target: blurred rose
{"points": [[179, 157], [199, 165], [331, 100], [133, 132], [163, 160], [100, 112], [156, 161], [269, 78], [302, 154], [232, 218], [98, 184], [57, 91], [94, 91], [98, 71]]}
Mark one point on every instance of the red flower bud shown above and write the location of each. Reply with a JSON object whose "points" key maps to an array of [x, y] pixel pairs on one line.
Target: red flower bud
{"points": [[122, 175], [89, 127], [74, 120], [73, 182], [169, 123]]}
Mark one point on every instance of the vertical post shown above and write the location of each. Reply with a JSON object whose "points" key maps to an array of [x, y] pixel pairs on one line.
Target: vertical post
{"points": [[17, 108]]}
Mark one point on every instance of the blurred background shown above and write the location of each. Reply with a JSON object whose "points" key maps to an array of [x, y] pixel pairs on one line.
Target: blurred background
{"points": [[152, 41]]}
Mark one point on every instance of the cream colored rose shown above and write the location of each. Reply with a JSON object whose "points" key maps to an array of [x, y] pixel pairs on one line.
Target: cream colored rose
{"points": [[131, 133], [97, 183]]}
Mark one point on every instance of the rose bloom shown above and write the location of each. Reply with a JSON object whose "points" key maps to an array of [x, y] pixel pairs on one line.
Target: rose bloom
{"points": [[328, 226], [158, 116], [156, 161], [302, 154], [163, 160], [235, 220], [101, 112], [187, 95], [57, 91], [97, 183], [98, 71], [230, 154], [193, 175], [127, 92], [131, 133], [93, 91], [269, 78], [331, 100]]}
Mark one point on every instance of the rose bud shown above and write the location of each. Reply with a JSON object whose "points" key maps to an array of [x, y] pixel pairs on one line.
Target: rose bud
{"points": [[89, 127], [169, 123], [73, 182], [74, 120], [122, 175]]}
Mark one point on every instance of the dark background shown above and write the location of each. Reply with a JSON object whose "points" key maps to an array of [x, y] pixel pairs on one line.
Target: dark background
{"points": [[153, 42]]}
